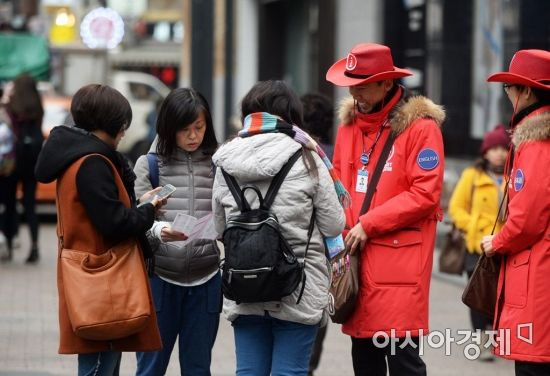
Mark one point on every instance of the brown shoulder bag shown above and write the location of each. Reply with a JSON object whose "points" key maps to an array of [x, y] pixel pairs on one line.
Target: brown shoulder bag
{"points": [[107, 296], [345, 267]]}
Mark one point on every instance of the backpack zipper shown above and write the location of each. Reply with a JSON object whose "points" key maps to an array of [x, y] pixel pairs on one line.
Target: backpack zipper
{"points": [[248, 271]]}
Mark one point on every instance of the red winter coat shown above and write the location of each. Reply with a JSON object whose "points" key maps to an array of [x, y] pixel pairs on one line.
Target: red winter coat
{"points": [[396, 262], [525, 243]]}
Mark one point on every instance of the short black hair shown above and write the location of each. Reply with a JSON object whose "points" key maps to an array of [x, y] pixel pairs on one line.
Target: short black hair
{"points": [[181, 108], [318, 116], [100, 107], [276, 98]]}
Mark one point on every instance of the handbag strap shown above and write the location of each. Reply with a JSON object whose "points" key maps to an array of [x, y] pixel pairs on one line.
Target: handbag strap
{"points": [[60, 230], [377, 173]]}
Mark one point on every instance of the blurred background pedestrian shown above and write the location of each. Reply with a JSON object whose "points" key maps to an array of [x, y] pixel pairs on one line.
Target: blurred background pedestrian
{"points": [[24, 112], [474, 207]]}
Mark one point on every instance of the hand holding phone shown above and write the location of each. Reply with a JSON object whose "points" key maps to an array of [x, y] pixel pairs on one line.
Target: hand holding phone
{"points": [[162, 194]]}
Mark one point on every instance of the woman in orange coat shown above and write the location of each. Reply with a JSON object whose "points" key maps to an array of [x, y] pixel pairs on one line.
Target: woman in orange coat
{"points": [[96, 199], [523, 297]]}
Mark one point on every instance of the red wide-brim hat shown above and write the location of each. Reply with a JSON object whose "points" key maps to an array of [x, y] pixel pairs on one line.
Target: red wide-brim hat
{"points": [[366, 62], [528, 68]]}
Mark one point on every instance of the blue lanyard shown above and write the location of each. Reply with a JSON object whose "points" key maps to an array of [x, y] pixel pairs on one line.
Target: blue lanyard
{"points": [[365, 155]]}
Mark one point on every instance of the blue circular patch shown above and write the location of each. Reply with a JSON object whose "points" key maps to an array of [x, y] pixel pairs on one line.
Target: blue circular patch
{"points": [[427, 159], [519, 180]]}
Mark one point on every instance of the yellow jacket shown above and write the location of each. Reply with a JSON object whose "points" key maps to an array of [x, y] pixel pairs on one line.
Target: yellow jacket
{"points": [[474, 206]]}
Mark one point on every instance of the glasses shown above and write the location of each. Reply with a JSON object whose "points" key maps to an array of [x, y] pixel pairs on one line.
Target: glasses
{"points": [[507, 86]]}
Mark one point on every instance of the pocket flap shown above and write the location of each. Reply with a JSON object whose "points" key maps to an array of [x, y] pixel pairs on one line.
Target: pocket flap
{"points": [[399, 238], [521, 258]]}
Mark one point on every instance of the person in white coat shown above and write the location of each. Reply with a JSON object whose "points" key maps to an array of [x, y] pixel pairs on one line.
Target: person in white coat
{"points": [[277, 337]]}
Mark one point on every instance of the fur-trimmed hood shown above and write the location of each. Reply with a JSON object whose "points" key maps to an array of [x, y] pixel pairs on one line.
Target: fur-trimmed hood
{"points": [[536, 128], [407, 110]]}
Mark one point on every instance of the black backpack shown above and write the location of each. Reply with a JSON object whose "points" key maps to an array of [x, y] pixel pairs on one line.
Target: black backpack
{"points": [[260, 265]]}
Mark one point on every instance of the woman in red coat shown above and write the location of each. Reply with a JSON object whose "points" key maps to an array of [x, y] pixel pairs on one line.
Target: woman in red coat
{"points": [[523, 306], [395, 238]]}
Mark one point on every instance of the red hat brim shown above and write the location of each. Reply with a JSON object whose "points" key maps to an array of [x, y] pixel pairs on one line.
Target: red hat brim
{"points": [[512, 78], [335, 74]]}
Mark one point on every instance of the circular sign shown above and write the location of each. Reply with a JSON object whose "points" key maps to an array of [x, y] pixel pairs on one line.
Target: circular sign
{"points": [[428, 159], [519, 180], [351, 62], [102, 28]]}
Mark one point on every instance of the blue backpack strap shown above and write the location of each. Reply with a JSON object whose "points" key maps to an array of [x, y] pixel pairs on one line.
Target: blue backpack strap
{"points": [[152, 159]]}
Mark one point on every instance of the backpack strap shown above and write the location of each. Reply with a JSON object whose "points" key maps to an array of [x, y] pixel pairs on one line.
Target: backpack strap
{"points": [[152, 160], [235, 190], [279, 178]]}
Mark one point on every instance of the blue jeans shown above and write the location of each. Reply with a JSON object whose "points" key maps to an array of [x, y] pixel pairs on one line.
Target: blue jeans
{"points": [[105, 363], [193, 314], [266, 345]]}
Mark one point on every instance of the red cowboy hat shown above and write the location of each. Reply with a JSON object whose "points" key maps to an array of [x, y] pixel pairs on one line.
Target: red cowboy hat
{"points": [[528, 67], [366, 62]]}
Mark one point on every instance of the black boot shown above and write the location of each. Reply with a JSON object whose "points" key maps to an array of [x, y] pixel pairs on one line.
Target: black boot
{"points": [[33, 256]]}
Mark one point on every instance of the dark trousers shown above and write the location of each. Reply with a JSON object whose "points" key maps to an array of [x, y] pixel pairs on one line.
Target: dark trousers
{"points": [[370, 360], [317, 349], [28, 182], [190, 315], [8, 220], [532, 369]]}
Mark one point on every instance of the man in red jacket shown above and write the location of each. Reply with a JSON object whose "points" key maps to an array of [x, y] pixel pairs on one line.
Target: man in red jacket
{"points": [[395, 238], [523, 304]]}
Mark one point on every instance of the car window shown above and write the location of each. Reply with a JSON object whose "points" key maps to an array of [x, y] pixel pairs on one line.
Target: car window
{"points": [[143, 92]]}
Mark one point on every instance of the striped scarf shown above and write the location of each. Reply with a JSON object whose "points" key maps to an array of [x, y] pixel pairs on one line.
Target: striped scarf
{"points": [[263, 122]]}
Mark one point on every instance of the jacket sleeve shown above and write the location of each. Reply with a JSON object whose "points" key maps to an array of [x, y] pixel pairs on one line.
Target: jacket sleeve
{"points": [[217, 207], [142, 184], [461, 200], [329, 215], [99, 195], [422, 197], [529, 209]]}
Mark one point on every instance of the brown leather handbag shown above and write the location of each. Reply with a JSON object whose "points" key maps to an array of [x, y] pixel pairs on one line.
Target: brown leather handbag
{"points": [[344, 287], [106, 295], [453, 253], [480, 293]]}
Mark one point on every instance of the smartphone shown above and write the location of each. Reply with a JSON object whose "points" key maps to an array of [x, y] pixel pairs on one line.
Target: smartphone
{"points": [[165, 192]]}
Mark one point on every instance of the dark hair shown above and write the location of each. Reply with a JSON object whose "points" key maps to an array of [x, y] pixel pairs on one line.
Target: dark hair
{"points": [[100, 107], [275, 97], [318, 116], [25, 103], [542, 95], [181, 108]]}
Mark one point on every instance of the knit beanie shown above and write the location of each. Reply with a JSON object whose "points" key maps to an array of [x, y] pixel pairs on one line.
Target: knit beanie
{"points": [[497, 137]]}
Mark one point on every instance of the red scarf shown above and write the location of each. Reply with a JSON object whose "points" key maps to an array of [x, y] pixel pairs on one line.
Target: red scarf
{"points": [[371, 122]]}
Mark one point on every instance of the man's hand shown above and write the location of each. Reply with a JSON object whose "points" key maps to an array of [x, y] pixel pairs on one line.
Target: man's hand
{"points": [[356, 238], [487, 245], [168, 235]]}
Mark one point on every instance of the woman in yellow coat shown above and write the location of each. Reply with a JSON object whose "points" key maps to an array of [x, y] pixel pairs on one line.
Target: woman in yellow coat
{"points": [[475, 201]]}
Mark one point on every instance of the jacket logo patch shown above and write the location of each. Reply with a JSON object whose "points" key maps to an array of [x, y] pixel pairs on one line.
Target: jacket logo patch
{"points": [[351, 62], [427, 159], [519, 180], [388, 166]]}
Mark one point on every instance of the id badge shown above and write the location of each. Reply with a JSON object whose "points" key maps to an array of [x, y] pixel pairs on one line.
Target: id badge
{"points": [[362, 181]]}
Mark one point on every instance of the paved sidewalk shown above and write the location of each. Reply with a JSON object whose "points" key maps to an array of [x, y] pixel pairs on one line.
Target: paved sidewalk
{"points": [[28, 327]]}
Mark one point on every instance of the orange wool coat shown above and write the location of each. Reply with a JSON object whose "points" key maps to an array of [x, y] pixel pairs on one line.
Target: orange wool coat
{"points": [[80, 234]]}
